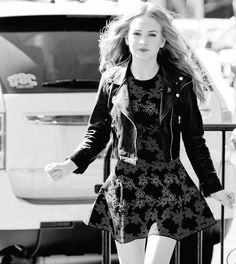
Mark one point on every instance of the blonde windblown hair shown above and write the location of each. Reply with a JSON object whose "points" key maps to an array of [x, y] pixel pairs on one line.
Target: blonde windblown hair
{"points": [[114, 51]]}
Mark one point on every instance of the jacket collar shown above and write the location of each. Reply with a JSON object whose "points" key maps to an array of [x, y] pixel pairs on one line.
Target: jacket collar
{"points": [[118, 74], [171, 87]]}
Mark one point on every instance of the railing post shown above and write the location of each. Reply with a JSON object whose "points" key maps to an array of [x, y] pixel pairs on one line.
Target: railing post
{"points": [[106, 247], [177, 253], [223, 128], [106, 237], [199, 247], [222, 207]]}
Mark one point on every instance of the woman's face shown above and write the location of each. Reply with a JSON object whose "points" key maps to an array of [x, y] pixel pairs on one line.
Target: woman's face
{"points": [[144, 38]]}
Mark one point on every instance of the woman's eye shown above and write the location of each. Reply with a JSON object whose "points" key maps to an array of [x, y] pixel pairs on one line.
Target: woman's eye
{"points": [[136, 33], [152, 35]]}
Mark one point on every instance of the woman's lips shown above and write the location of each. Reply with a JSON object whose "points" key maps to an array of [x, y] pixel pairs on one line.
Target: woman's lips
{"points": [[143, 50]]}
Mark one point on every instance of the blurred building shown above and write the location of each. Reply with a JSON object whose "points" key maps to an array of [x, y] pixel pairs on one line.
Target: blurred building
{"points": [[206, 8], [182, 8], [200, 8], [218, 8]]}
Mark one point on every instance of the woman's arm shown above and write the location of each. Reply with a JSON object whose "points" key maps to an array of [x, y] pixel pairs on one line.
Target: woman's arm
{"points": [[195, 145], [197, 151], [98, 132], [95, 140], [59, 170]]}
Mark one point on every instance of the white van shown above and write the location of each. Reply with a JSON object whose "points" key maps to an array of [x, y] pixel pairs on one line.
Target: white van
{"points": [[48, 80]]}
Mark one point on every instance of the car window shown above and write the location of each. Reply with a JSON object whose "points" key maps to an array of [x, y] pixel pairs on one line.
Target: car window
{"points": [[32, 57]]}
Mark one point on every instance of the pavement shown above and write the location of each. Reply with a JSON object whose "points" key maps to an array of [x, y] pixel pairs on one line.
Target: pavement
{"points": [[86, 259]]}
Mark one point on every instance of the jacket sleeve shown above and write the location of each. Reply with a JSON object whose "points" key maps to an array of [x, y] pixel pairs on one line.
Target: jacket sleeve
{"points": [[196, 149], [98, 132]]}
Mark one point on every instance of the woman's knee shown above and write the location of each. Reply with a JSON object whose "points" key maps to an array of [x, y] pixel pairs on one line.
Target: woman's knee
{"points": [[132, 252], [159, 249]]}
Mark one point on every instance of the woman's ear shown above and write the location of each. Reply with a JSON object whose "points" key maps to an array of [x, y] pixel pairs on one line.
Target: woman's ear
{"points": [[163, 42], [126, 40]]}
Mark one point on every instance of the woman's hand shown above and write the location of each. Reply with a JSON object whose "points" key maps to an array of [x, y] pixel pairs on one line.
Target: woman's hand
{"points": [[226, 198], [60, 170]]}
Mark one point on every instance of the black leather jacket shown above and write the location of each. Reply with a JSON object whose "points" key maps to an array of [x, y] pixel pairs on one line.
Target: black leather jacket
{"points": [[179, 112]]}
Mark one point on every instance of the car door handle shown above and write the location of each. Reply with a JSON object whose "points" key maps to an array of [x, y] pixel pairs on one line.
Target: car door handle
{"points": [[63, 120]]}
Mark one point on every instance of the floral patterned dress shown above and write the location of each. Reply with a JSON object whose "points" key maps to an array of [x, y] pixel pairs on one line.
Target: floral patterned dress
{"points": [[153, 196]]}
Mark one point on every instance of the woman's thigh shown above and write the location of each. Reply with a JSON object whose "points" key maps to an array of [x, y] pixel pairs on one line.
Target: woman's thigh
{"points": [[132, 252], [159, 249]]}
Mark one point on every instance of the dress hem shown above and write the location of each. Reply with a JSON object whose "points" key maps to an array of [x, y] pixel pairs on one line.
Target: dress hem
{"points": [[150, 234]]}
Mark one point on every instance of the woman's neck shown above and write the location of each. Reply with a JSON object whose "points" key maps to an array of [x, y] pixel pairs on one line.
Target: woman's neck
{"points": [[144, 71]]}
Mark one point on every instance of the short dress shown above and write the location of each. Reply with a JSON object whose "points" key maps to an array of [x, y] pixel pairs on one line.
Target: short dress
{"points": [[153, 197]]}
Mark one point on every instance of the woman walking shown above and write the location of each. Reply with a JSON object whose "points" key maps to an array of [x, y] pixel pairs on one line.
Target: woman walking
{"points": [[147, 98]]}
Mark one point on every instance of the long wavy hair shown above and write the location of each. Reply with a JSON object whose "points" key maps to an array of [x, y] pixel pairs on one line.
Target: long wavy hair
{"points": [[114, 50]]}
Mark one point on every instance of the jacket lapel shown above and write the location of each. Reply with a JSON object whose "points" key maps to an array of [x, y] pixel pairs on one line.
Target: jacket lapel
{"points": [[120, 91], [122, 100]]}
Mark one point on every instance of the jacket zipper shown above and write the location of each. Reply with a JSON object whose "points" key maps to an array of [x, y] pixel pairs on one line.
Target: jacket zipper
{"points": [[171, 125], [171, 132], [161, 91]]}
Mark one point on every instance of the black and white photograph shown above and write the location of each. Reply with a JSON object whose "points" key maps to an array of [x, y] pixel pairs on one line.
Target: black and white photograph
{"points": [[117, 131]]}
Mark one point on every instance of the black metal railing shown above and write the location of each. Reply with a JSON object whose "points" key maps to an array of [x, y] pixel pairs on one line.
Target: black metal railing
{"points": [[106, 238]]}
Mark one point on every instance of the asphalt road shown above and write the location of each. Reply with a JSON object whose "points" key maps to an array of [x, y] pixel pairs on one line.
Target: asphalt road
{"points": [[87, 259]]}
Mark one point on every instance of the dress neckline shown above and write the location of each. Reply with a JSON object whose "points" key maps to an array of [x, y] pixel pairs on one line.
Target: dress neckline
{"points": [[146, 80]]}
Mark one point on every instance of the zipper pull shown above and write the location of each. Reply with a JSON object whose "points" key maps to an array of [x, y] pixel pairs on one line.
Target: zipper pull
{"points": [[179, 119]]}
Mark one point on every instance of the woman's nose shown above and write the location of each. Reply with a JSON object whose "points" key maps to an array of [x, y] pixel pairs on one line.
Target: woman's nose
{"points": [[143, 41]]}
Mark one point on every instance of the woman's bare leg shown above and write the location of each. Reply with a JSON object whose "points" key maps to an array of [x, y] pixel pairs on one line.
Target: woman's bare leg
{"points": [[132, 252], [159, 249]]}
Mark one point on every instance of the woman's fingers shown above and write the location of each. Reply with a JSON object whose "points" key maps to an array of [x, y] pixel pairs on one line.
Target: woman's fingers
{"points": [[56, 174], [226, 202], [58, 170], [224, 197], [231, 197], [54, 171], [51, 167]]}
